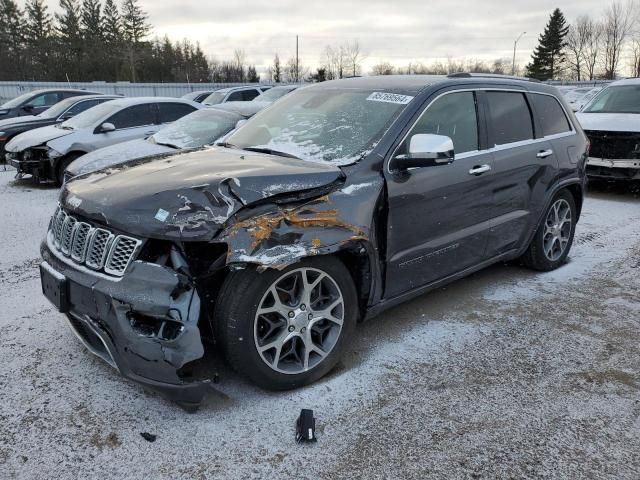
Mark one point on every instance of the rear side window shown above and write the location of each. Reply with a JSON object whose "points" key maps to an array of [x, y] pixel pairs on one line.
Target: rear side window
{"points": [[135, 116], [249, 95], [550, 114], [44, 100], [170, 112], [235, 97], [80, 107], [453, 115], [510, 118]]}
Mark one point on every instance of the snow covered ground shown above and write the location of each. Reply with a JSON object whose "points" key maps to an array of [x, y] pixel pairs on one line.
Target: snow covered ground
{"points": [[504, 374]]}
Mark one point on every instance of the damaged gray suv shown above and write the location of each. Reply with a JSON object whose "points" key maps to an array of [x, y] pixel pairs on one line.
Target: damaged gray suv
{"points": [[341, 200]]}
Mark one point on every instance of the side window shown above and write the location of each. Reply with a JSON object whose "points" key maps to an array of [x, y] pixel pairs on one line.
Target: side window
{"points": [[236, 97], [170, 112], [510, 118], [44, 100], [249, 95], [550, 114], [453, 115], [67, 94], [135, 116], [80, 107]]}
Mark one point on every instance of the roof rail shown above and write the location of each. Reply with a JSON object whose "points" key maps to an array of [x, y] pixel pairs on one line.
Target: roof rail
{"points": [[490, 75]]}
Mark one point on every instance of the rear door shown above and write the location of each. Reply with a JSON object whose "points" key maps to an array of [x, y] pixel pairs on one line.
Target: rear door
{"points": [[137, 121], [439, 216], [524, 162]]}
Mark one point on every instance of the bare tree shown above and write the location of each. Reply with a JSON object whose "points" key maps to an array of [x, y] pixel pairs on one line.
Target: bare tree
{"points": [[383, 68], [576, 45], [295, 71], [354, 57], [593, 46], [635, 58], [619, 20], [239, 61]]}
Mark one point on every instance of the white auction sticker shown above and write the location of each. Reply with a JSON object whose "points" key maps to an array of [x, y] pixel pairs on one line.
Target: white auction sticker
{"points": [[161, 215], [389, 98]]}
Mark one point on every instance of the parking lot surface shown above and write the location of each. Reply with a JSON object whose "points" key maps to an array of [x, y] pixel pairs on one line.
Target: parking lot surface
{"points": [[505, 374]]}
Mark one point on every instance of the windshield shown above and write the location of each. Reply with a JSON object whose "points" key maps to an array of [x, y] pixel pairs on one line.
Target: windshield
{"points": [[18, 100], [59, 108], [90, 117], [273, 94], [199, 128], [336, 126], [616, 99], [214, 98]]}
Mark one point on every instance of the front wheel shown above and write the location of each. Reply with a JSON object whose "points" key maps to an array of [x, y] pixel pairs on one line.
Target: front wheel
{"points": [[285, 329], [554, 237]]}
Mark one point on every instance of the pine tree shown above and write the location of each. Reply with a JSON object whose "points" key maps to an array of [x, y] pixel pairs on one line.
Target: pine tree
{"points": [[134, 29], [276, 71], [38, 35], [69, 41], [548, 57], [12, 41], [252, 74]]}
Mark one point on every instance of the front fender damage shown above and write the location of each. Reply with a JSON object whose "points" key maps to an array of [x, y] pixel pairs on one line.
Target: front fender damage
{"points": [[284, 234]]}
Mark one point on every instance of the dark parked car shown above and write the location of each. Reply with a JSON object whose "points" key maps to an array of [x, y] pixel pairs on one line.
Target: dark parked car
{"points": [[61, 111], [37, 101], [339, 201], [200, 128]]}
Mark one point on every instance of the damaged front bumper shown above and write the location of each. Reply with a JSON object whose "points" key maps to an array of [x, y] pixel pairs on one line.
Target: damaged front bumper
{"points": [[617, 169], [145, 324]]}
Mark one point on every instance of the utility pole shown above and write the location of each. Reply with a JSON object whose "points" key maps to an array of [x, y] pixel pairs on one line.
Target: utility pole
{"points": [[513, 66], [297, 62]]}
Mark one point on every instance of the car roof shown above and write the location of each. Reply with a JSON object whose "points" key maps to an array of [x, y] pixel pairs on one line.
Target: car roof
{"points": [[128, 101], [413, 84], [627, 81], [79, 90], [232, 89]]}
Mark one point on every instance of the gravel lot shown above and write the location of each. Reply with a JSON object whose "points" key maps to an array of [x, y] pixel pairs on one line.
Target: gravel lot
{"points": [[506, 374]]}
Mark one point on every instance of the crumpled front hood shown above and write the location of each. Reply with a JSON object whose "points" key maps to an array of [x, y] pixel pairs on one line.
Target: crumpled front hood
{"points": [[34, 138], [116, 155], [610, 122], [189, 195]]}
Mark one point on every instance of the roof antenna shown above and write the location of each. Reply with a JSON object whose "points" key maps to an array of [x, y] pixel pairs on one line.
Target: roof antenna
{"points": [[68, 82]]}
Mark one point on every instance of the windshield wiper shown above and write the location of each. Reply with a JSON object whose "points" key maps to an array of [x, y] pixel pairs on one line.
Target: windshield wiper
{"points": [[167, 144], [271, 151], [225, 145], [63, 127]]}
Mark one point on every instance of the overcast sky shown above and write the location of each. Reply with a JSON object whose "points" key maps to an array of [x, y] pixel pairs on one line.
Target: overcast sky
{"points": [[396, 31]]}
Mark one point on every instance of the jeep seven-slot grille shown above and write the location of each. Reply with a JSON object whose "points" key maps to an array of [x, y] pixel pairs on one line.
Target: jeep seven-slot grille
{"points": [[95, 247]]}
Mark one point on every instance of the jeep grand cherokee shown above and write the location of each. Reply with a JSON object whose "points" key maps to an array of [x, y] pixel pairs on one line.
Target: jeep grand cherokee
{"points": [[341, 200]]}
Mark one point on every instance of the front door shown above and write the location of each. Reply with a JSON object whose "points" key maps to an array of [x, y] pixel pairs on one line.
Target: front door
{"points": [[439, 217]]}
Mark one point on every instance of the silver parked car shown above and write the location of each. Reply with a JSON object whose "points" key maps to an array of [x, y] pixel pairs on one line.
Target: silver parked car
{"points": [[235, 94], [46, 152], [195, 130]]}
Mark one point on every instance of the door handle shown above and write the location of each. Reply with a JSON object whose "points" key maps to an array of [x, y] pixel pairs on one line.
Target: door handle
{"points": [[544, 153], [479, 169], [149, 133]]}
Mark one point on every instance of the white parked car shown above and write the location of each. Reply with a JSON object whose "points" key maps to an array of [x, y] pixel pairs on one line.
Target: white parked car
{"points": [[235, 94], [579, 97], [46, 152], [612, 122]]}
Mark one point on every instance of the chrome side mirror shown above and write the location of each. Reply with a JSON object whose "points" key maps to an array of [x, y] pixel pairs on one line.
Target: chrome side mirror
{"points": [[426, 150]]}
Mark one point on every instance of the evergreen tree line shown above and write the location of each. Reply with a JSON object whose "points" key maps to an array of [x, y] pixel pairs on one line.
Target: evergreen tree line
{"points": [[100, 40]]}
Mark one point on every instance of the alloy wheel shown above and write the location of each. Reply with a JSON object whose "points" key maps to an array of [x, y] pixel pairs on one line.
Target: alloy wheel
{"points": [[557, 230], [299, 320]]}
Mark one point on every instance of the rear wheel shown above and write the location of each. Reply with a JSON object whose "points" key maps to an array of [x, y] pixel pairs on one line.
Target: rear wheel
{"points": [[554, 237], [285, 329]]}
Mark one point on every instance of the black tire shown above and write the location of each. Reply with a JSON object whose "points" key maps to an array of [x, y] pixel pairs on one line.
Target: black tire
{"points": [[535, 256], [235, 314], [63, 163]]}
